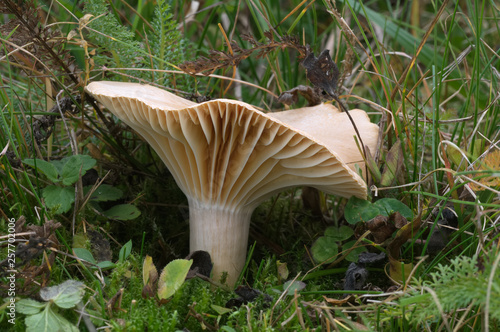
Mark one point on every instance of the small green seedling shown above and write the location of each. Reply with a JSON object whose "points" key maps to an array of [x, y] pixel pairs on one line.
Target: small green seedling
{"points": [[60, 196], [43, 316], [326, 248], [64, 173]]}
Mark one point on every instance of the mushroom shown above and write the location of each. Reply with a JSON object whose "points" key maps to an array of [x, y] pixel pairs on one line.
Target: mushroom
{"points": [[328, 125], [227, 157]]}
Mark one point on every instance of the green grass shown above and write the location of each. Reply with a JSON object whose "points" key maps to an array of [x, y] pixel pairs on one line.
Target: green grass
{"points": [[428, 77]]}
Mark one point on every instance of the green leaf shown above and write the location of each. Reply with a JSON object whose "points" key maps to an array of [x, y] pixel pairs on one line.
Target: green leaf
{"points": [[388, 205], [48, 321], [172, 277], [58, 164], [71, 169], [103, 193], [123, 212], [80, 240], [106, 265], [339, 234], [226, 328], [29, 306], [45, 167], [324, 250], [294, 285], [125, 251], [59, 198], [358, 209], [354, 254], [65, 295], [393, 163], [220, 310], [85, 255], [372, 166]]}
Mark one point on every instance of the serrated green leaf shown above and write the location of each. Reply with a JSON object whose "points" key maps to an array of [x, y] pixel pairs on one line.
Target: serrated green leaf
{"points": [[172, 277], [125, 251], [58, 164], [84, 254], [324, 250], [73, 165], [104, 193], [339, 234], [358, 209], [29, 306], [123, 212], [388, 205], [45, 167], [65, 295], [48, 321], [59, 198]]}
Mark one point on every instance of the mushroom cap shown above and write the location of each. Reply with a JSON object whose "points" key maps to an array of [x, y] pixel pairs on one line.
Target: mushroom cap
{"points": [[334, 129], [226, 152]]}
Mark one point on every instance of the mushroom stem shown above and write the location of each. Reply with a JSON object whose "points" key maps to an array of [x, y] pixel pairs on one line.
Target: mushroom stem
{"points": [[222, 232]]}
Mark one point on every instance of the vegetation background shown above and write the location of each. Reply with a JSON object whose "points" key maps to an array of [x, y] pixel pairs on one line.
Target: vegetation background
{"points": [[91, 200]]}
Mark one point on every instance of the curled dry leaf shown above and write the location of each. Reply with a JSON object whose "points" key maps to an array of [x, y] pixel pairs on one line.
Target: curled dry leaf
{"points": [[383, 227], [337, 302], [292, 96], [322, 72]]}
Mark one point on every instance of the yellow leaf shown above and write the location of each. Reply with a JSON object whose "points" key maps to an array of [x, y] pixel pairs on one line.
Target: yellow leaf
{"points": [[491, 162]]}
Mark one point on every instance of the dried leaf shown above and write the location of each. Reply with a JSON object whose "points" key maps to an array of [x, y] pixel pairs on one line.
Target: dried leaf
{"points": [[322, 72], [342, 301], [380, 228], [221, 59], [491, 162], [149, 271], [292, 96], [399, 271]]}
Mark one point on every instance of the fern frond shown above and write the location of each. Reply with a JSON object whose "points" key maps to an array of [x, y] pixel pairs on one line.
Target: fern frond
{"points": [[166, 42], [118, 46], [456, 286]]}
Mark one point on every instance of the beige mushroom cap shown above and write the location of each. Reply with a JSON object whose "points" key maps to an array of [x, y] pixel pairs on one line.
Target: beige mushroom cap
{"points": [[334, 129], [227, 152], [227, 157]]}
